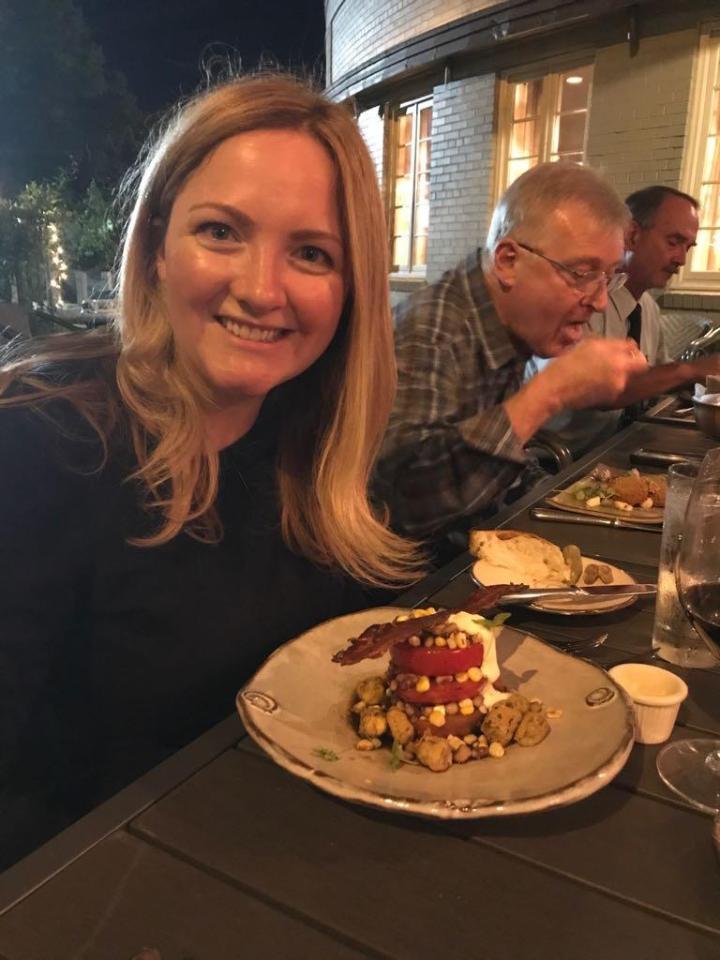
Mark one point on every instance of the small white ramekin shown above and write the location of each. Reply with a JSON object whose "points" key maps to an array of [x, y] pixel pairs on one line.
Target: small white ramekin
{"points": [[656, 695]]}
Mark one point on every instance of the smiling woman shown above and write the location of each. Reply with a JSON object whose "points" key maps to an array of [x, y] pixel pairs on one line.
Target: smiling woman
{"points": [[188, 491]]}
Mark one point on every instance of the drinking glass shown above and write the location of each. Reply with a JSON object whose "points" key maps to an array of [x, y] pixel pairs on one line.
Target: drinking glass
{"points": [[692, 767]]}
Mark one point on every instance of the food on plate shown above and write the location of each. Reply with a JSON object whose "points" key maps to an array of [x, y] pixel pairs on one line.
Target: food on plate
{"points": [[439, 702], [528, 559], [620, 491]]}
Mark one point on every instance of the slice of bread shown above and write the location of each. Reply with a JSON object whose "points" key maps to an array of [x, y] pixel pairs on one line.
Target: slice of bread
{"points": [[527, 558]]}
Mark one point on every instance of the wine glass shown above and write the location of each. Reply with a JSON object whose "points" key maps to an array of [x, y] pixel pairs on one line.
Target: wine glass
{"points": [[692, 767]]}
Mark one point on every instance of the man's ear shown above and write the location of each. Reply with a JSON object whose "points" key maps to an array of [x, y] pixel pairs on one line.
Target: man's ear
{"points": [[505, 262], [632, 235]]}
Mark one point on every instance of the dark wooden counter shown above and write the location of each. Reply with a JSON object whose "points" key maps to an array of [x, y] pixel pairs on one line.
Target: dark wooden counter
{"points": [[220, 854]]}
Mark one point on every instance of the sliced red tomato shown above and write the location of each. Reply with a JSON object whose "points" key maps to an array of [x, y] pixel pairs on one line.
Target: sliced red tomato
{"points": [[449, 692], [435, 661]]}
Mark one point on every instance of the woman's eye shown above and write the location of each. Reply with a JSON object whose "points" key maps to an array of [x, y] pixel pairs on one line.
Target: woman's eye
{"points": [[215, 231], [314, 255]]}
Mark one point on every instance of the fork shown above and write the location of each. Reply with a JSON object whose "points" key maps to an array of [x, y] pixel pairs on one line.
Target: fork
{"points": [[564, 641]]}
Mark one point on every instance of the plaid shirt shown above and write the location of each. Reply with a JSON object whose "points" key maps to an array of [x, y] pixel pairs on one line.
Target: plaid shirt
{"points": [[450, 453]]}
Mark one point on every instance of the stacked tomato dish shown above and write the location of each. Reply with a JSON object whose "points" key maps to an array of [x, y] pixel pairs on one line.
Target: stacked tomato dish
{"points": [[443, 674]]}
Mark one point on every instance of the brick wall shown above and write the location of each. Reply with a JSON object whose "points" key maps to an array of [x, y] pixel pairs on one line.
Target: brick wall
{"points": [[639, 110], [372, 127], [461, 170], [358, 30]]}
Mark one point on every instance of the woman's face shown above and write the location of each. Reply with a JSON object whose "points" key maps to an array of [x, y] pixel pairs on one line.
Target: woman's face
{"points": [[252, 264]]}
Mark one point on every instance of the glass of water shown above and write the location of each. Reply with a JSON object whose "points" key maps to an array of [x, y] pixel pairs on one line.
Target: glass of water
{"points": [[674, 637]]}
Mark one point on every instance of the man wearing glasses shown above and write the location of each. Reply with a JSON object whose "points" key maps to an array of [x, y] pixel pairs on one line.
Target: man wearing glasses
{"points": [[660, 235], [456, 438]]}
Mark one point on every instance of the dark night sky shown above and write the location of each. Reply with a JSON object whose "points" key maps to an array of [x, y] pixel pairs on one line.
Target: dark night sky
{"points": [[159, 44]]}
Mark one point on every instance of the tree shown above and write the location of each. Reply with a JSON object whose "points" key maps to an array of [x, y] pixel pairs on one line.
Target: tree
{"points": [[59, 105], [89, 230]]}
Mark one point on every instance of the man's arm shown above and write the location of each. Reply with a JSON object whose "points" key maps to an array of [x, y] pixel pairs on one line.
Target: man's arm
{"points": [[450, 450], [595, 373], [667, 377]]}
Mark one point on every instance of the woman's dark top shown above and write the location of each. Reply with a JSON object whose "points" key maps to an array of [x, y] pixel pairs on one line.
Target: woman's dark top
{"points": [[114, 656]]}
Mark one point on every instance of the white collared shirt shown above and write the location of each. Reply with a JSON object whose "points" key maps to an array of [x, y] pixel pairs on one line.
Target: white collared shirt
{"points": [[583, 429]]}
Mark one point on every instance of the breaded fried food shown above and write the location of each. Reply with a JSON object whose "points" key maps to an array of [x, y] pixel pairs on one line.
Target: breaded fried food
{"points": [[532, 729], [500, 724], [657, 489], [630, 488]]}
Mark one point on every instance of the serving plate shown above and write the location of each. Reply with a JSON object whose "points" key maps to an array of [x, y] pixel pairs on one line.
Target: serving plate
{"points": [[565, 500], [486, 574], [296, 709]]}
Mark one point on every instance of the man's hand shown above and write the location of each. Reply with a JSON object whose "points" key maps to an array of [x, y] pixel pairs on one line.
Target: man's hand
{"points": [[595, 373]]}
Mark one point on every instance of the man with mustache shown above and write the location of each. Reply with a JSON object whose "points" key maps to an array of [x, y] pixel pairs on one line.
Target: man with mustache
{"points": [[456, 439]]}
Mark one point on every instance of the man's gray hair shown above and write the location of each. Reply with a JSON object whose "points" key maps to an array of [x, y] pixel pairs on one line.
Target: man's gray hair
{"points": [[529, 201]]}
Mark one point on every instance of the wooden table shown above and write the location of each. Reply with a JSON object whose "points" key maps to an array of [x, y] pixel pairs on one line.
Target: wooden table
{"points": [[220, 854]]}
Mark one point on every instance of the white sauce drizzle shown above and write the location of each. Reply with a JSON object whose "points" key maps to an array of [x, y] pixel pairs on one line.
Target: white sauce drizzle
{"points": [[489, 667]]}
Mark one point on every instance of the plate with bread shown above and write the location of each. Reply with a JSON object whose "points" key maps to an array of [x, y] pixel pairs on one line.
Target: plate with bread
{"points": [[607, 492], [511, 556]]}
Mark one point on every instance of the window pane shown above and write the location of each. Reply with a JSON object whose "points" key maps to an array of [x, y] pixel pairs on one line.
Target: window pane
{"points": [[423, 156], [706, 255], [516, 167], [574, 95], [571, 133], [420, 251], [401, 253], [526, 98], [425, 122], [711, 167], [405, 127], [524, 141]]}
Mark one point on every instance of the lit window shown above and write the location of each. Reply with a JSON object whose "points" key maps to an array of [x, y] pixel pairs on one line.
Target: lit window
{"points": [[543, 119], [701, 168], [411, 187]]}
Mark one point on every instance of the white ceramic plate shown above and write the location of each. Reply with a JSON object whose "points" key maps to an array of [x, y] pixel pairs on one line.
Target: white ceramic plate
{"points": [[295, 708], [486, 574], [565, 500]]}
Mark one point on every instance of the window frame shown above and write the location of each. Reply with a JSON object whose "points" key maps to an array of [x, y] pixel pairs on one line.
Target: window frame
{"points": [[402, 109], [706, 75], [550, 74]]}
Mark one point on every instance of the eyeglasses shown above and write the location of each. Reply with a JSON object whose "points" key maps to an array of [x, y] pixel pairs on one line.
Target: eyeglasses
{"points": [[589, 281]]}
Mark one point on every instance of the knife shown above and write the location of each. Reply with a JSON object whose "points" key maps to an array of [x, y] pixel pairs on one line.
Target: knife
{"points": [[604, 592], [662, 458], [560, 516]]}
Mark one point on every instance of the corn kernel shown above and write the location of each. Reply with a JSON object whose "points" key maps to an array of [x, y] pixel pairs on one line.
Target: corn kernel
{"points": [[461, 677], [455, 742], [440, 707], [451, 709], [440, 641], [554, 714], [400, 619], [429, 642], [496, 750], [466, 707], [452, 643], [470, 739], [422, 685], [475, 674], [364, 745], [414, 641], [462, 641], [478, 702], [437, 719], [647, 503]]}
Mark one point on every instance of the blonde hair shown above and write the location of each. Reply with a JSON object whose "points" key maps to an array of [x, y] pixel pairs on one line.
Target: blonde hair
{"points": [[529, 200], [335, 413]]}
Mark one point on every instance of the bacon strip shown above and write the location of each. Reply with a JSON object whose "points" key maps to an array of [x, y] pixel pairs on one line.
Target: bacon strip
{"points": [[377, 639]]}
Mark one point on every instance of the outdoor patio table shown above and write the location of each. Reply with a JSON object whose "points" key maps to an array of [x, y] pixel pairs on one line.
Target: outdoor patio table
{"points": [[219, 853]]}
